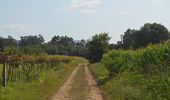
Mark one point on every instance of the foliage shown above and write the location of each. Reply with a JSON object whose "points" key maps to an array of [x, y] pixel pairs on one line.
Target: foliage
{"points": [[31, 40], [148, 68], [97, 46], [42, 88], [10, 41], [35, 45], [149, 33], [27, 67], [138, 59]]}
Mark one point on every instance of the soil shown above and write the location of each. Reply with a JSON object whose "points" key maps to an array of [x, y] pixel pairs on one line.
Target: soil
{"points": [[80, 85]]}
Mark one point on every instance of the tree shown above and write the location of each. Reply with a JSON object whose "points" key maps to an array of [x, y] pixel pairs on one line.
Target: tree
{"points": [[149, 33], [80, 43], [113, 46], [55, 40], [62, 40], [97, 46], [7, 42], [33, 49], [31, 40], [127, 39], [1, 44], [50, 49]]}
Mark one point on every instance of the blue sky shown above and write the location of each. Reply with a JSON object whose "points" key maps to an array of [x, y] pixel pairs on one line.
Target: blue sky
{"points": [[79, 18]]}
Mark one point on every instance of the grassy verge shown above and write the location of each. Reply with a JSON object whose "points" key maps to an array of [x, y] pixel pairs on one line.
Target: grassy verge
{"points": [[131, 85], [100, 73], [0, 73], [40, 89]]}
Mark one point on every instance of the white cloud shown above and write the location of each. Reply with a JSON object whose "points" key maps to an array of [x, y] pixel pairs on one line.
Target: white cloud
{"points": [[15, 28], [86, 6]]}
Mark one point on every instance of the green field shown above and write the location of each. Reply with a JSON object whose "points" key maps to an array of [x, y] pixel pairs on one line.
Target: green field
{"points": [[42, 88]]}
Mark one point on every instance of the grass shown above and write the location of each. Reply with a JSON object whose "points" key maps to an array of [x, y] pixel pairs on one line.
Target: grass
{"points": [[131, 85], [79, 89], [99, 71], [0, 72], [41, 89], [117, 88]]}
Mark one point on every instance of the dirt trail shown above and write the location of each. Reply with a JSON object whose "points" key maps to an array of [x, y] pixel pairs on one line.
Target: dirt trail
{"points": [[63, 92], [94, 93], [79, 86]]}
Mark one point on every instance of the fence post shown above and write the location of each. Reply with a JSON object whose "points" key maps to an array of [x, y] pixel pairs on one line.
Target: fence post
{"points": [[4, 75]]}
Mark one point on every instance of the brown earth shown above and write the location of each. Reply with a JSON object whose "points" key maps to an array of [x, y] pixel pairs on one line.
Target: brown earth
{"points": [[79, 86]]}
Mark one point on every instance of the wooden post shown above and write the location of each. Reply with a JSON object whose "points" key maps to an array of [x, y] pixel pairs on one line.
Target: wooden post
{"points": [[4, 75]]}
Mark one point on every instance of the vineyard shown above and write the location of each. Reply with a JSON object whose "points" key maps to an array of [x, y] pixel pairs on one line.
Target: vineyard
{"points": [[142, 74], [27, 67]]}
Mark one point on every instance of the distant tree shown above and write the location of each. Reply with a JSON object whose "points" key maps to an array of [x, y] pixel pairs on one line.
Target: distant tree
{"points": [[13, 50], [128, 39], [7, 42], [97, 46], [10, 41], [62, 40], [149, 33], [50, 49], [119, 44], [66, 41], [33, 49], [113, 46], [1, 44], [55, 40], [81, 43], [59, 45], [31, 40]]}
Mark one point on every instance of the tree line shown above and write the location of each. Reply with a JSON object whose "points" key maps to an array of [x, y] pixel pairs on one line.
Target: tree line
{"points": [[93, 49], [58, 45]]}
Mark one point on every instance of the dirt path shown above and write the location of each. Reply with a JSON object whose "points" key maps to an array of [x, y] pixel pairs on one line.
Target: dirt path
{"points": [[94, 93], [63, 92], [79, 86]]}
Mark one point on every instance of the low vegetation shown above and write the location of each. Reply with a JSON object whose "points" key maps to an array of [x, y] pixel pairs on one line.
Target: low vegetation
{"points": [[143, 74], [41, 88]]}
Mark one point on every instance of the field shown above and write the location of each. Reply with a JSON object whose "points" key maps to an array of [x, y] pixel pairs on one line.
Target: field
{"points": [[41, 88], [143, 74]]}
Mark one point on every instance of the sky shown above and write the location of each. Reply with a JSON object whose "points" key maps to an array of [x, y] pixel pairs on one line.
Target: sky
{"points": [[79, 19]]}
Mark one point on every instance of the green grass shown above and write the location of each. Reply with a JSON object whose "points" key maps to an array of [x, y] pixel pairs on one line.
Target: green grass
{"points": [[0, 72], [99, 72], [131, 85], [41, 89]]}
